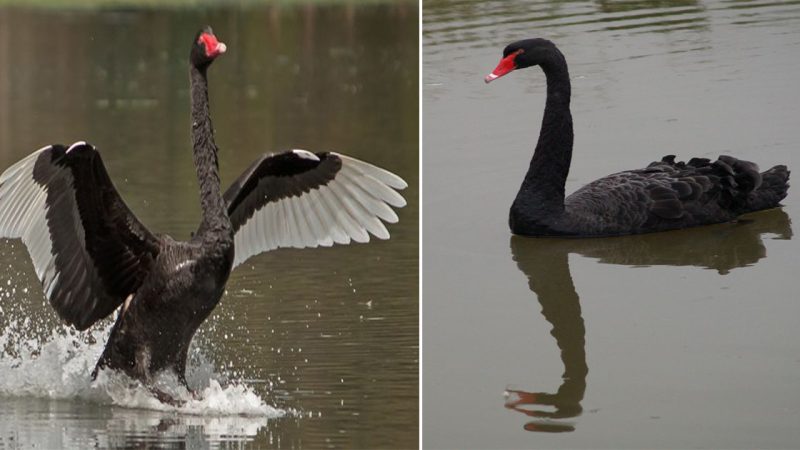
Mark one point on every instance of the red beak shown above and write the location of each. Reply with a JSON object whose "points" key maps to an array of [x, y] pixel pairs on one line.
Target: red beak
{"points": [[214, 47], [505, 66]]}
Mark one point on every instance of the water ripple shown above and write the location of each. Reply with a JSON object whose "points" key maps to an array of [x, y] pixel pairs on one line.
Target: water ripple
{"points": [[467, 24]]}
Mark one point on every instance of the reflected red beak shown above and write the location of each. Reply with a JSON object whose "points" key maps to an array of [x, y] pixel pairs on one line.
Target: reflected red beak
{"points": [[214, 47], [505, 66]]}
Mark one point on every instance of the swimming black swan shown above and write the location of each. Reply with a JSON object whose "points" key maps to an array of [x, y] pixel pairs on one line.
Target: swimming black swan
{"points": [[663, 196], [93, 255]]}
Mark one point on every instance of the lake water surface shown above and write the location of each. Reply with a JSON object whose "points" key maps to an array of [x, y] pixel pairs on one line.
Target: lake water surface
{"points": [[308, 348], [685, 339]]}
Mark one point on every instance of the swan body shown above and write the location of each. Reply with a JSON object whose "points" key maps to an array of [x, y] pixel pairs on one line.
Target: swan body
{"points": [[93, 256], [665, 195]]}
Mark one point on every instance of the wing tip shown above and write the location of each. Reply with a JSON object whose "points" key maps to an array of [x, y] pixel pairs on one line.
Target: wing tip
{"points": [[389, 178]]}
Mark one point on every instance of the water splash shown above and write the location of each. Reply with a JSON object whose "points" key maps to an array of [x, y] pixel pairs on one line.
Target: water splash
{"points": [[56, 364]]}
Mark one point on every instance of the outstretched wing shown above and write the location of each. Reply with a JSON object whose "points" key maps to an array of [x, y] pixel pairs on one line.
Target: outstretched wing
{"points": [[301, 199], [89, 250]]}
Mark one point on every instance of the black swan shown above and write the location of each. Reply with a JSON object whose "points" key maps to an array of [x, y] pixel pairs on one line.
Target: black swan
{"points": [[665, 195], [92, 254]]}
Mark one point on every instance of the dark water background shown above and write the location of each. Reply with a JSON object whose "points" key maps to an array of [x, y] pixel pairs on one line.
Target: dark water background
{"points": [[328, 336], [685, 339]]}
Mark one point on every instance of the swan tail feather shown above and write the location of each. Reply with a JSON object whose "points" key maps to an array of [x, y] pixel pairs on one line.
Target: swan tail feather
{"points": [[738, 185], [774, 187]]}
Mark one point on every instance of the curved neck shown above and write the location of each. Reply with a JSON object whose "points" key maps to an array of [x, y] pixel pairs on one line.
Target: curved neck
{"points": [[547, 174], [215, 217]]}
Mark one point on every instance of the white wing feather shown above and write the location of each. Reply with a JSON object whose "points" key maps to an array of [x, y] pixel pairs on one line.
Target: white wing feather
{"points": [[349, 208]]}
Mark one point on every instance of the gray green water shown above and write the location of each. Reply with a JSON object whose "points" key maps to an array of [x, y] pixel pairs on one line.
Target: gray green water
{"points": [[685, 339], [327, 337]]}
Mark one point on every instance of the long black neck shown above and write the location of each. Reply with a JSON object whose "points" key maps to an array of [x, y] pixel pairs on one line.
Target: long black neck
{"points": [[547, 174], [215, 220]]}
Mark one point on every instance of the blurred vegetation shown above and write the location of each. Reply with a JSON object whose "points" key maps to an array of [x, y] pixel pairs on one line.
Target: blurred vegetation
{"points": [[161, 4]]}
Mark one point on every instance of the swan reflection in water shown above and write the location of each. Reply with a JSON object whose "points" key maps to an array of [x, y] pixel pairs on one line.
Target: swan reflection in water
{"points": [[545, 262], [90, 425]]}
